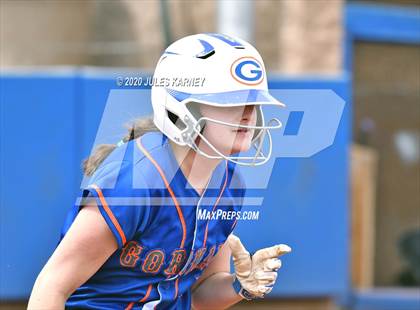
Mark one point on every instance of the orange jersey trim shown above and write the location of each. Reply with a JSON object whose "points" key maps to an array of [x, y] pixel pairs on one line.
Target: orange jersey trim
{"points": [[149, 289], [109, 212], [131, 304], [176, 288], [178, 208], [217, 202]]}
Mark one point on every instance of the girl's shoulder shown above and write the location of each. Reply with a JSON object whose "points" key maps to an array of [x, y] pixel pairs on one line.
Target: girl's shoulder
{"points": [[135, 161], [145, 162]]}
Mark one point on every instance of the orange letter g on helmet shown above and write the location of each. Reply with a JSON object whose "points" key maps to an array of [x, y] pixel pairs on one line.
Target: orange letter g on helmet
{"points": [[247, 70]]}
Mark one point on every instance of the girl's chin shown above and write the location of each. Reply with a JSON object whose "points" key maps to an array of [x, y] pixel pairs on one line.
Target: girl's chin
{"points": [[241, 147]]}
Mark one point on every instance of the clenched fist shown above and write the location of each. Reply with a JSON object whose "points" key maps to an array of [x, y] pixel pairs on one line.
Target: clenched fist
{"points": [[256, 274]]}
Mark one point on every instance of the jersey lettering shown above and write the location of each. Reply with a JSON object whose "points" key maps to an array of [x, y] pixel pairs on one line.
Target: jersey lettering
{"points": [[178, 257], [130, 254], [197, 259], [153, 261], [208, 258]]}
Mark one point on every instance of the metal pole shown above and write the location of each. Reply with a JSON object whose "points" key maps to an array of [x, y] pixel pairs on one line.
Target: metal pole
{"points": [[236, 18], [165, 22]]}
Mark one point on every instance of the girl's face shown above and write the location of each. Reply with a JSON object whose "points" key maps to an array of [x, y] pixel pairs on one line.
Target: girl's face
{"points": [[227, 139]]}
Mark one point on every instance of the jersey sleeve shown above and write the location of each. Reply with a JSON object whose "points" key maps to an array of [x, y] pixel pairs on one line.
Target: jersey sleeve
{"points": [[125, 209]]}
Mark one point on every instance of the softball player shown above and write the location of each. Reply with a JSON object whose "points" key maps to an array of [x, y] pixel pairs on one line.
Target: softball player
{"points": [[135, 240]]}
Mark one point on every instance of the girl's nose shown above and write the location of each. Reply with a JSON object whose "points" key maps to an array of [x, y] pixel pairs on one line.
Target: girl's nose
{"points": [[249, 109]]}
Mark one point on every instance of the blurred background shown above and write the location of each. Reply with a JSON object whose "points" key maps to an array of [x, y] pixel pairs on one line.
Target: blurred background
{"points": [[59, 60]]}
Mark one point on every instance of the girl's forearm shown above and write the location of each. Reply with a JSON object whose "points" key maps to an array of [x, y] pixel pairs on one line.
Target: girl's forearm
{"points": [[45, 296], [216, 292]]}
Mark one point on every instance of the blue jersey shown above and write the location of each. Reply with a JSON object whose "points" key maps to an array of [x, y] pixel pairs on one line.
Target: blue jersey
{"points": [[167, 233]]}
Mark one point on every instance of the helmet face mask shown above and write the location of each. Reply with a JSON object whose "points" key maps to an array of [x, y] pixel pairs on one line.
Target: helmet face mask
{"points": [[257, 142], [193, 130], [231, 77]]}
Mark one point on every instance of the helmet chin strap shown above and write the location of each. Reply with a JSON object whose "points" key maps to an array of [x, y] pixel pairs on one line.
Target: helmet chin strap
{"points": [[240, 160]]}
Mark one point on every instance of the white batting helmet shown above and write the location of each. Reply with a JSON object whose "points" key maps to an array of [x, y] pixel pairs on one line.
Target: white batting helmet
{"points": [[217, 70]]}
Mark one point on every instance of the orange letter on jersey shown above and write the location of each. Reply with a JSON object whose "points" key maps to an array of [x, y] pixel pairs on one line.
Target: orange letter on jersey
{"points": [[130, 254], [178, 257]]}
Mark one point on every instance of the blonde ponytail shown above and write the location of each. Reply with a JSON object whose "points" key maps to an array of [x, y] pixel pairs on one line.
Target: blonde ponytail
{"points": [[138, 128]]}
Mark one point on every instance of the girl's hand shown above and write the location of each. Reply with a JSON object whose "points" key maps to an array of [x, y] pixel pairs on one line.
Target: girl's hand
{"points": [[257, 273]]}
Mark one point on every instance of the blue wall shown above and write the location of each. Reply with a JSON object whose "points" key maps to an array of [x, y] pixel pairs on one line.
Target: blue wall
{"points": [[48, 125], [375, 23], [390, 24]]}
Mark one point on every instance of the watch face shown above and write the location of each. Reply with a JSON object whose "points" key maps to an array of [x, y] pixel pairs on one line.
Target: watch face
{"points": [[247, 295]]}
